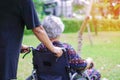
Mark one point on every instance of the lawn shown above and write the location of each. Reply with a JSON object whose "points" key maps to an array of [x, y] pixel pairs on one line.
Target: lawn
{"points": [[105, 50]]}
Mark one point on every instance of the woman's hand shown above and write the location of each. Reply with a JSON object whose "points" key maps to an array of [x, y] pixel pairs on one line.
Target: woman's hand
{"points": [[90, 63], [58, 51], [24, 49]]}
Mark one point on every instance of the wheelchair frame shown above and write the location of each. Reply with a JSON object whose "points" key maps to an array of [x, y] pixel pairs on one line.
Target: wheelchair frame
{"points": [[72, 76]]}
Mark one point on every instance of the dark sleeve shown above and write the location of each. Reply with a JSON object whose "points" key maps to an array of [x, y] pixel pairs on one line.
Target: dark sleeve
{"points": [[29, 14], [74, 59]]}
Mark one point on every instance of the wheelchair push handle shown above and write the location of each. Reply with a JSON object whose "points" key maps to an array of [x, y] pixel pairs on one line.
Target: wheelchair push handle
{"points": [[66, 56], [64, 50], [30, 49]]}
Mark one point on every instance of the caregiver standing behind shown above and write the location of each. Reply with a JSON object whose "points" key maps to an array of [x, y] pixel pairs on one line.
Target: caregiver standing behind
{"points": [[14, 16]]}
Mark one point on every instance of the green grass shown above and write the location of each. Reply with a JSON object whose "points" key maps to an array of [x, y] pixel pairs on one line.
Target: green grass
{"points": [[105, 50]]}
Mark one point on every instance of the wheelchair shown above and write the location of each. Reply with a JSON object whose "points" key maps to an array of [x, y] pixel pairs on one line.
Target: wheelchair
{"points": [[46, 66]]}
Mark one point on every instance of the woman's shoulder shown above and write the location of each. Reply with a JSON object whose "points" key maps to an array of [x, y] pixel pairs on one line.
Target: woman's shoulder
{"points": [[67, 45]]}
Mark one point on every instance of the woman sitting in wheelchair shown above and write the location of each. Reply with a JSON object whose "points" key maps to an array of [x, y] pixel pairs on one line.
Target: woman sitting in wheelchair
{"points": [[54, 28]]}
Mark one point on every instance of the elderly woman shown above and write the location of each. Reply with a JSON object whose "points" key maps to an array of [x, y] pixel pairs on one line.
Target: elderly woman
{"points": [[54, 28]]}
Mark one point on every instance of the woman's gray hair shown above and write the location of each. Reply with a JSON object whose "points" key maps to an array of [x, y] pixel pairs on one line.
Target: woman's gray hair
{"points": [[53, 26]]}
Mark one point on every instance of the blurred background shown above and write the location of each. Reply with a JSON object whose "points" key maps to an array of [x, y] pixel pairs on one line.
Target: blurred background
{"points": [[100, 39]]}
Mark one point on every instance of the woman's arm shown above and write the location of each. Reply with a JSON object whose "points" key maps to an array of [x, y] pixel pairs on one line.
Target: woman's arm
{"points": [[42, 36], [75, 60]]}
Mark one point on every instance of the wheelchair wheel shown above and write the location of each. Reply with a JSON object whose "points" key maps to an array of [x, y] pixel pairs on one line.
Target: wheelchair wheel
{"points": [[33, 76], [30, 78], [77, 76]]}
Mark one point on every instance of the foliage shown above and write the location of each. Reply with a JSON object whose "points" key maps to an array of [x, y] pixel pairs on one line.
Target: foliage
{"points": [[27, 32], [106, 24], [106, 7], [39, 7], [38, 3], [71, 25], [77, 7]]}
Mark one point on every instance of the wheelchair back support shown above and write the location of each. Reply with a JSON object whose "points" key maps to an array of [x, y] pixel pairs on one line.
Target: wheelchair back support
{"points": [[49, 67]]}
